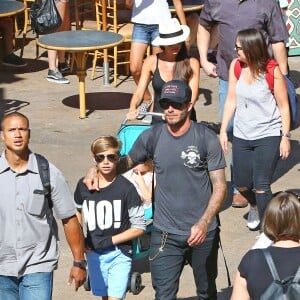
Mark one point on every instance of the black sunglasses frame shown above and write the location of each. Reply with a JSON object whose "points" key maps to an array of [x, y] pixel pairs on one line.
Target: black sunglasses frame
{"points": [[110, 157], [237, 48]]}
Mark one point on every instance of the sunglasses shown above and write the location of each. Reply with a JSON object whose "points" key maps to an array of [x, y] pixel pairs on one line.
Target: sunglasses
{"points": [[165, 104], [237, 48], [111, 157]]}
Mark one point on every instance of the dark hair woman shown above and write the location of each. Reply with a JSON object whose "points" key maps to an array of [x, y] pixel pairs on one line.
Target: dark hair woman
{"points": [[172, 63], [261, 121], [282, 226]]}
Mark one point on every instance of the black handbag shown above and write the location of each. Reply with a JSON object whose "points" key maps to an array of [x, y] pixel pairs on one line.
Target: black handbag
{"points": [[44, 16]]}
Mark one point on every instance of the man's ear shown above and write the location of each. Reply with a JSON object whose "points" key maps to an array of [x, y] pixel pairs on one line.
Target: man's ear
{"points": [[190, 106], [2, 137]]}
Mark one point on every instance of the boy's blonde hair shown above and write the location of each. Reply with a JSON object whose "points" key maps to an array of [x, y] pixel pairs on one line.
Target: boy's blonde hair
{"points": [[104, 143]]}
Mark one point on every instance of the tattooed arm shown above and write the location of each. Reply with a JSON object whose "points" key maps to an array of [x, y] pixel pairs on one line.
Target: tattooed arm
{"points": [[198, 231]]}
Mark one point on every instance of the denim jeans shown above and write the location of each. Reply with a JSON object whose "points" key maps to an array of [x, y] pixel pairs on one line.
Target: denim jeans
{"points": [[35, 286], [168, 254], [223, 89], [255, 163]]}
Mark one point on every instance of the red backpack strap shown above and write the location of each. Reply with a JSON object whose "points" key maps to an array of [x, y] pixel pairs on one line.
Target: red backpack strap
{"points": [[237, 69], [272, 64]]}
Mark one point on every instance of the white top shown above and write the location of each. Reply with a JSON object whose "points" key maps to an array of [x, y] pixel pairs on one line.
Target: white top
{"points": [[257, 115], [150, 12]]}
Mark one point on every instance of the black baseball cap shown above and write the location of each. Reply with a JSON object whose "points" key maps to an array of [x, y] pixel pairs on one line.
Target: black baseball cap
{"points": [[176, 91]]}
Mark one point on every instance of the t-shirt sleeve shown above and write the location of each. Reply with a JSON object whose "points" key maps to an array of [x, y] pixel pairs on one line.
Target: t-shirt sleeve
{"points": [[276, 27], [78, 195], [249, 261], [61, 196], [135, 209], [215, 155], [206, 18], [139, 152]]}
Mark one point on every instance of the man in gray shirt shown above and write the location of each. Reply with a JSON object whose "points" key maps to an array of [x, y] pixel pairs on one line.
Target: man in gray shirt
{"points": [[190, 188], [29, 233], [231, 16]]}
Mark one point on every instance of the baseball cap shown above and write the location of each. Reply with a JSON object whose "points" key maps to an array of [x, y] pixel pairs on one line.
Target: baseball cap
{"points": [[176, 91]]}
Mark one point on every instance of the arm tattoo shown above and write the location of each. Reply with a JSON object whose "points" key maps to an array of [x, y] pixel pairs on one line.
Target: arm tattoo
{"points": [[217, 178]]}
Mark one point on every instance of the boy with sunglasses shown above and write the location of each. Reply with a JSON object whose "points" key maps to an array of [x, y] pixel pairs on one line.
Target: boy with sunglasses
{"points": [[114, 215]]}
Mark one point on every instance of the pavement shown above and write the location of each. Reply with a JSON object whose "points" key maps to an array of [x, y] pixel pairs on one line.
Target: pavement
{"points": [[59, 134]]}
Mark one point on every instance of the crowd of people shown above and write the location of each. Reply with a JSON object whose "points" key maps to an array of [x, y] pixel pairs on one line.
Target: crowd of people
{"points": [[177, 162]]}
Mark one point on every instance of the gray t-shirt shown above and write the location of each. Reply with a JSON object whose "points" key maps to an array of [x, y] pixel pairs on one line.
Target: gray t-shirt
{"points": [[257, 115], [183, 186], [29, 233]]}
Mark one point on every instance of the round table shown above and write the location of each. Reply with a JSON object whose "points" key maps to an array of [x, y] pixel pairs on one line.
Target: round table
{"points": [[10, 8], [80, 42]]}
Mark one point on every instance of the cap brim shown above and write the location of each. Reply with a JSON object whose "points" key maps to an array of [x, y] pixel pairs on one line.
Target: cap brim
{"points": [[173, 40], [173, 99]]}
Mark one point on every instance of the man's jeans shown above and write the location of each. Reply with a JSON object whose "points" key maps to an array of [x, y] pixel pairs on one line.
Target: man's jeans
{"points": [[168, 254], [223, 89], [35, 286]]}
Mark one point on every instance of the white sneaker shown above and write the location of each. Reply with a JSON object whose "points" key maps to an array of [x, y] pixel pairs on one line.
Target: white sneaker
{"points": [[262, 242], [253, 218]]}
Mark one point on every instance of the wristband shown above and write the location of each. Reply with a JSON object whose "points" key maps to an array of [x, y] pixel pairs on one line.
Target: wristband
{"points": [[286, 134], [80, 264]]}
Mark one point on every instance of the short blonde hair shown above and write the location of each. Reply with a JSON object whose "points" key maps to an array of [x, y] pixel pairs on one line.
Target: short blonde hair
{"points": [[282, 217], [104, 143]]}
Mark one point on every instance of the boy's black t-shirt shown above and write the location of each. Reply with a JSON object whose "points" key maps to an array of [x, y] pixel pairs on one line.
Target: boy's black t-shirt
{"points": [[107, 212]]}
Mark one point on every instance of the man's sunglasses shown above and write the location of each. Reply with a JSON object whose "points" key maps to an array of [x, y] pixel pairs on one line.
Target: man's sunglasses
{"points": [[111, 157], [165, 104]]}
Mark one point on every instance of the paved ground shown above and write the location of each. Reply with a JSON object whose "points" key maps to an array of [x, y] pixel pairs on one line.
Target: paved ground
{"points": [[58, 133]]}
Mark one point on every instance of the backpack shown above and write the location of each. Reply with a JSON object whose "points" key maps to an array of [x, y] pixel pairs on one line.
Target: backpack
{"points": [[285, 289], [292, 96], [44, 16], [43, 166]]}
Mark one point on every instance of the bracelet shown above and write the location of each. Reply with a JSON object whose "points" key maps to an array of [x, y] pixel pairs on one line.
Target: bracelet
{"points": [[286, 134]]}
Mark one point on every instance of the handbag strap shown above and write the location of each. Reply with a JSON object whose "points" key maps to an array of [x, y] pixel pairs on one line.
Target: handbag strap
{"points": [[270, 263]]}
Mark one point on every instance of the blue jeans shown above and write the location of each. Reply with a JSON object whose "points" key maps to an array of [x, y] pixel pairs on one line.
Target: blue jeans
{"points": [[35, 286], [168, 254], [255, 163], [223, 89], [144, 33]]}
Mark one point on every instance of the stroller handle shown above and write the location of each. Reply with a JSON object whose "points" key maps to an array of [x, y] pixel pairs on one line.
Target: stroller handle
{"points": [[150, 113]]}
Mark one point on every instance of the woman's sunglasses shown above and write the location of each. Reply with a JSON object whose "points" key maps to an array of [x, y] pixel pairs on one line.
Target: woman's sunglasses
{"points": [[237, 48], [165, 104], [111, 157]]}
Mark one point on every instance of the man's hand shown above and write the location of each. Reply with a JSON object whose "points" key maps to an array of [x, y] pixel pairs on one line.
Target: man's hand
{"points": [[198, 233], [91, 179], [78, 275], [209, 68]]}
